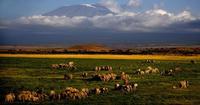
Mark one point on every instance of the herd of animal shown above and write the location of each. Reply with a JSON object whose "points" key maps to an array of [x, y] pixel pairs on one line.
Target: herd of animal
{"points": [[71, 93], [105, 68], [148, 70], [105, 77], [70, 65], [24, 96]]}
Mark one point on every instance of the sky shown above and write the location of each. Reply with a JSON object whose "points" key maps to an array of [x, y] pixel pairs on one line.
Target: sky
{"points": [[125, 22], [16, 8]]}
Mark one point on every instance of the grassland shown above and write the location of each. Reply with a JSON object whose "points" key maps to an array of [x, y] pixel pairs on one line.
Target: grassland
{"points": [[107, 56], [19, 72]]}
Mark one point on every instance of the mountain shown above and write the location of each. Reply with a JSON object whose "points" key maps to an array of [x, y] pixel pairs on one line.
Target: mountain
{"points": [[88, 10]]}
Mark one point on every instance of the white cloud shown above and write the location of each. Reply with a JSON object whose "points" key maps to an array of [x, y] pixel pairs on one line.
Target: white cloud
{"points": [[158, 12], [149, 21], [134, 3], [185, 16], [112, 5], [53, 20], [152, 20]]}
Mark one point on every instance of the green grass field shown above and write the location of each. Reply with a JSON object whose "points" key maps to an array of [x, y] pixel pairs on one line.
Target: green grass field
{"points": [[153, 89]]}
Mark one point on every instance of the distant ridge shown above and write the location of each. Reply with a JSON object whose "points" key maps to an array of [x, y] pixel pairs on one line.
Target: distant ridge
{"points": [[89, 47]]}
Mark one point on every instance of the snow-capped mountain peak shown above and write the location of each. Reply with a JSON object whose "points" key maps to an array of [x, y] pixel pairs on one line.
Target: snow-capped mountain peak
{"points": [[88, 10], [88, 5]]}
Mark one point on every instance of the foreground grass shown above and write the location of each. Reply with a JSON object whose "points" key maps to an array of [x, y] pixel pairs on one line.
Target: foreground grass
{"points": [[107, 56], [29, 73]]}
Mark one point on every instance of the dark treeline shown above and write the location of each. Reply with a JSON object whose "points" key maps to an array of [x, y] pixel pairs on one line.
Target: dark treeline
{"points": [[181, 51]]}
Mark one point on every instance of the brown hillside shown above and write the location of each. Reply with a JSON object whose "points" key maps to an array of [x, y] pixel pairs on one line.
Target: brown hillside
{"points": [[88, 47]]}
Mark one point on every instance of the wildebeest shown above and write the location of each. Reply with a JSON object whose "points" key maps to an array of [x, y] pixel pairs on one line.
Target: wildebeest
{"points": [[170, 72], [104, 90], [53, 95], [97, 91], [139, 72], [127, 87], [68, 76], [10, 97], [84, 75], [183, 84], [124, 76], [100, 68]]}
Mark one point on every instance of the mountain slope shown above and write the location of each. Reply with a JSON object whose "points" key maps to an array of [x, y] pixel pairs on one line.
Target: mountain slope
{"points": [[88, 10]]}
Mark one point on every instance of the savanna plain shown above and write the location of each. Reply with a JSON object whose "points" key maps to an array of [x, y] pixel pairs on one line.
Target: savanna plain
{"points": [[29, 73]]}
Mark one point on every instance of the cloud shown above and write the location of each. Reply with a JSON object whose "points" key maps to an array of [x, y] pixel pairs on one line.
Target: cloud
{"points": [[56, 21], [149, 21], [154, 20], [134, 3], [112, 5]]}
